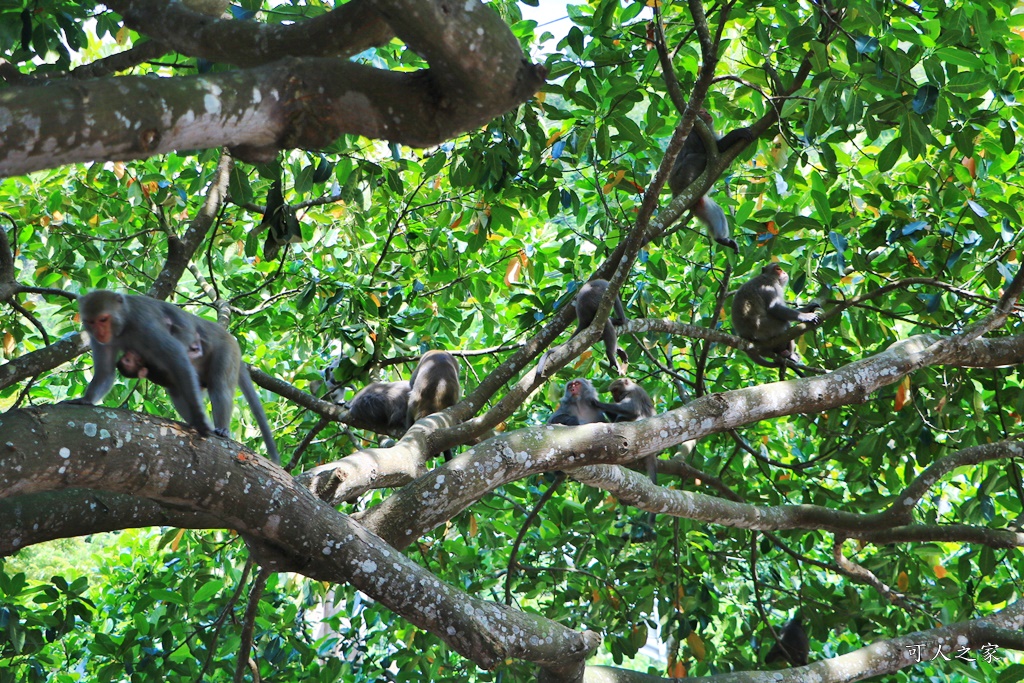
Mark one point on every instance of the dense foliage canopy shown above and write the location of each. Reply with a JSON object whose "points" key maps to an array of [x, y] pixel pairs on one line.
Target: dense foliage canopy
{"points": [[350, 186]]}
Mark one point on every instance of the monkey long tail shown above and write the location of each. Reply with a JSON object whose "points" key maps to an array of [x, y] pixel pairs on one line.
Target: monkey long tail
{"points": [[713, 216], [253, 399]]}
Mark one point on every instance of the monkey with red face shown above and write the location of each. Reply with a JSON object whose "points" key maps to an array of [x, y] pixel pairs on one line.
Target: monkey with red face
{"points": [[760, 313], [138, 326], [578, 405]]}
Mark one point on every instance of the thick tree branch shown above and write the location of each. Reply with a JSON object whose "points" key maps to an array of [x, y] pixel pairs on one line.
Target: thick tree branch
{"points": [[343, 32], [71, 446]]}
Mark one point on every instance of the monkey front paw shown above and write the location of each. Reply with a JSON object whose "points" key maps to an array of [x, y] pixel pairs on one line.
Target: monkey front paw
{"points": [[221, 431]]}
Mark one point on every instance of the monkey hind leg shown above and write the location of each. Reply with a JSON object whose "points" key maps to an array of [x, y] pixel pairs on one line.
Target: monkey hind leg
{"points": [[184, 408]]}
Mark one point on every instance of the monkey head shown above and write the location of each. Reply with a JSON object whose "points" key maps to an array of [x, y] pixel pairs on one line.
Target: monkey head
{"points": [[102, 314], [775, 270], [620, 388], [575, 387]]}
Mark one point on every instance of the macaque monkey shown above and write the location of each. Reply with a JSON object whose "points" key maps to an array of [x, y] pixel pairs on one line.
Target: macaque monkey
{"points": [[632, 403], [691, 162], [587, 301], [122, 323], [578, 405], [381, 407], [759, 313], [435, 386], [792, 646]]}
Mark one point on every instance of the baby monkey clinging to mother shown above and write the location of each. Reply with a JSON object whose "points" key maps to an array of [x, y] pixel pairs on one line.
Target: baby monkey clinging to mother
{"points": [[177, 350]]}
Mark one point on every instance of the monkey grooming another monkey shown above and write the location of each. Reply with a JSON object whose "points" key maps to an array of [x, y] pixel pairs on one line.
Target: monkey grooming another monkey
{"points": [[587, 302], [122, 323], [759, 313], [381, 407], [690, 164], [793, 646], [631, 403], [578, 405]]}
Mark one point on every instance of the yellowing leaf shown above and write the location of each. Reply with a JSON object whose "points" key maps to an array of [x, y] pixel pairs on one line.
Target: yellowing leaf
{"points": [[697, 645], [971, 165], [677, 670], [902, 391], [122, 36], [8, 343], [472, 526], [903, 582], [940, 571], [541, 96], [554, 136], [374, 299], [177, 540], [515, 267], [119, 169]]}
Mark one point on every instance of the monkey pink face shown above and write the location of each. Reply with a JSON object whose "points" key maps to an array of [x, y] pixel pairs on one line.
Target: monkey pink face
{"points": [[781, 275], [101, 327], [574, 387]]}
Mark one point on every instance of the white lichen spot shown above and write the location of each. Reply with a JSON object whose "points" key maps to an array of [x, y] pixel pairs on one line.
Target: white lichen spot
{"points": [[480, 31], [62, 469], [17, 539], [212, 104], [104, 434], [71, 425], [961, 640], [90, 429], [64, 452], [451, 630], [440, 481], [470, 6], [326, 550], [368, 566]]}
